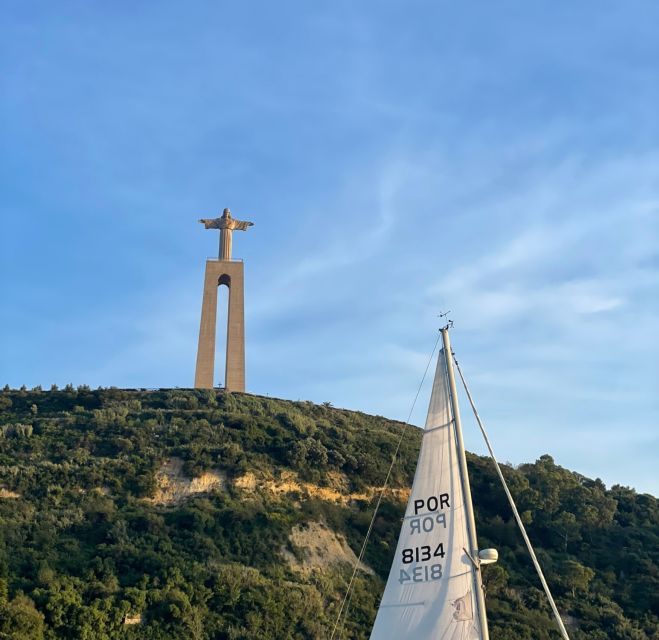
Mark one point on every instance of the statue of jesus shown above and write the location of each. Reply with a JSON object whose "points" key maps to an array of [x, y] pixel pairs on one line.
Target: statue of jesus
{"points": [[227, 225]]}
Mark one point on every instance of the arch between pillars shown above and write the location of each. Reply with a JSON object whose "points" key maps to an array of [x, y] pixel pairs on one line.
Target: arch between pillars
{"points": [[223, 306]]}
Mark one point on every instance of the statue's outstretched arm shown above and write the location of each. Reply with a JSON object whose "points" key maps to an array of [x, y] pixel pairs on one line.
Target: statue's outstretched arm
{"points": [[240, 225], [209, 223]]}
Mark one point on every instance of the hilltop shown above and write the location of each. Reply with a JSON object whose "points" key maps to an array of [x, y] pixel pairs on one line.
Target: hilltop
{"points": [[208, 515]]}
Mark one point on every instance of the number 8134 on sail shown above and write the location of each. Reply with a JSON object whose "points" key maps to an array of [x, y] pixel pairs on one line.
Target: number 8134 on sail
{"points": [[421, 574], [422, 554]]}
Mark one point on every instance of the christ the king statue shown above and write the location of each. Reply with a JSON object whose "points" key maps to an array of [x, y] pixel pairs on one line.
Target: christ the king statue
{"points": [[227, 225]]}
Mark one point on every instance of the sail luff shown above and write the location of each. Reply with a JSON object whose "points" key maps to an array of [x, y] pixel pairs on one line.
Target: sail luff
{"points": [[466, 488]]}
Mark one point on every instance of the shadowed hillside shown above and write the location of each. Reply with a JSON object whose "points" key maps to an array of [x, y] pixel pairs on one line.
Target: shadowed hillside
{"points": [[206, 515]]}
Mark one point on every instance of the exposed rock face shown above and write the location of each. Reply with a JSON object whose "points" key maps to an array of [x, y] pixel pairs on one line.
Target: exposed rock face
{"points": [[246, 482], [133, 619], [174, 486], [288, 482], [319, 547], [6, 493]]}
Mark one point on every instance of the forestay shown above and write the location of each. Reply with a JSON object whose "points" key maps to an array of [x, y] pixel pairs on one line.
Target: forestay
{"points": [[431, 589]]}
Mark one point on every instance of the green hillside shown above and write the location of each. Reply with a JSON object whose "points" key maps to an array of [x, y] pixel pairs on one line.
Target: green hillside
{"points": [[205, 515]]}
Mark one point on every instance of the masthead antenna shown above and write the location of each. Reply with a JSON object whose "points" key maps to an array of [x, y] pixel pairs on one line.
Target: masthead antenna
{"points": [[449, 322]]}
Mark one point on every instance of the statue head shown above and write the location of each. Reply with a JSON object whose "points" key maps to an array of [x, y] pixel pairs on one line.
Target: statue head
{"points": [[226, 213]]}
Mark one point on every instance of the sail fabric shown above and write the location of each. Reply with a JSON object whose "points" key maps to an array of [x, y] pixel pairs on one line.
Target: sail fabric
{"points": [[430, 592]]}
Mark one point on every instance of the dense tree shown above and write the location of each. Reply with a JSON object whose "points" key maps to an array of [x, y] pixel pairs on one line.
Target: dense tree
{"points": [[20, 620]]}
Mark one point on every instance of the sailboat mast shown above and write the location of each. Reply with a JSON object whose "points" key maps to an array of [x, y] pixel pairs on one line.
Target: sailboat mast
{"points": [[464, 475]]}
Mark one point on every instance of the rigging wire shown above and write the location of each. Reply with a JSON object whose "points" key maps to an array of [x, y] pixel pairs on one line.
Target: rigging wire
{"points": [[345, 604], [520, 524]]}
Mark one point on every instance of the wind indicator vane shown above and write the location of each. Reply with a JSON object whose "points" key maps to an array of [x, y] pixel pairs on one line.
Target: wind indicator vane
{"points": [[449, 322]]}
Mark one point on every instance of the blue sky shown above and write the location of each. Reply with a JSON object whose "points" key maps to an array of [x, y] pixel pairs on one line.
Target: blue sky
{"points": [[500, 160]]}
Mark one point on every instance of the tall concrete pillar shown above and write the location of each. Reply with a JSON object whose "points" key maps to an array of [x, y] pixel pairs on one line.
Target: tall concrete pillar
{"points": [[230, 273]]}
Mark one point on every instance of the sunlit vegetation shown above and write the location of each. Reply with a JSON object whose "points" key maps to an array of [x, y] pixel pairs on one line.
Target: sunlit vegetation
{"points": [[84, 553]]}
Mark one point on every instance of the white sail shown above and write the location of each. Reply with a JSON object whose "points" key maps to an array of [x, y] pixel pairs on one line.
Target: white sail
{"points": [[432, 586]]}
